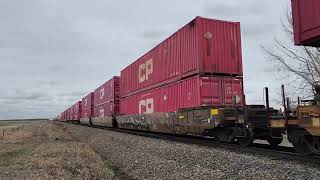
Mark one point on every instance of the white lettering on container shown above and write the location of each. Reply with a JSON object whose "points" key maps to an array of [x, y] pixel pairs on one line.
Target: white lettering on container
{"points": [[145, 70], [101, 112], [146, 106], [101, 93]]}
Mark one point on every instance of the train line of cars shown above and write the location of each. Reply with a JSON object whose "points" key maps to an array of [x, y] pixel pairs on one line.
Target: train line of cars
{"points": [[192, 83]]}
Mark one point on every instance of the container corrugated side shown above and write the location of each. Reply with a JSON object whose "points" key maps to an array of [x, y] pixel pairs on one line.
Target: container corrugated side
{"points": [[77, 110], [192, 92], [69, 113], [65, 115], [204, 46], [87, 106], [61, 116], [306, 22], [109, 91], [107, 109]]}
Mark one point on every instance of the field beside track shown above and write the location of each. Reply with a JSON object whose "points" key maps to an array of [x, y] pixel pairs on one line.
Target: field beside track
{"points": [[53, 150], [44, 150]]}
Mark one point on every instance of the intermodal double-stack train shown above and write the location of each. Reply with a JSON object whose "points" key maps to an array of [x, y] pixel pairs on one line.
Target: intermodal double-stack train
{"points": [[192, 83]]}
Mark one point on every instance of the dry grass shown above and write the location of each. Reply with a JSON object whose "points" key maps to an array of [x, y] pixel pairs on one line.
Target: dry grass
{"points": [[46, 151]]}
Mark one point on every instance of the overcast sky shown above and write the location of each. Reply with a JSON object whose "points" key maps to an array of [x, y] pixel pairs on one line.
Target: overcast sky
{"points": [[53, 52]]}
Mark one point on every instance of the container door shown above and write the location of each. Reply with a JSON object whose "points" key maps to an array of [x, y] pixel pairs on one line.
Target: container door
{"points": [[220, 47], [232, 88], [210, 93]]}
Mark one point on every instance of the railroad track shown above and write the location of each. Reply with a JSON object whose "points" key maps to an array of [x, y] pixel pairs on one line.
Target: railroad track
{"points": [[275, 153]]}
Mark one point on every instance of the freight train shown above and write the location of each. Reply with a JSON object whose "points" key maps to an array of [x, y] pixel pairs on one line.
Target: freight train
{"points": [[192, 84]]}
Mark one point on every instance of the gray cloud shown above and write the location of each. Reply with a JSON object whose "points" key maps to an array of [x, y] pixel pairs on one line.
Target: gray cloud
{"points": [[236, 8], [24, 95], [153, 34], [49, 83]]}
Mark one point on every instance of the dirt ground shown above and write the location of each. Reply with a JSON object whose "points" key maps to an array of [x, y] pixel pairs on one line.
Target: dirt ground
{"points": [[42, 150]]}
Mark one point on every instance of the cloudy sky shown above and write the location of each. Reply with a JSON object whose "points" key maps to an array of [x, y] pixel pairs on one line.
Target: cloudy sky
{"points": [[53, 52]]}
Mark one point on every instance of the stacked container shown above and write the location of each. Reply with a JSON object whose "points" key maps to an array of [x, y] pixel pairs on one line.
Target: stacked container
{"points": [[106, 102], [306, 22], [87, 109], [61, 117], [77, 111], [199, 65], [69, 115]]}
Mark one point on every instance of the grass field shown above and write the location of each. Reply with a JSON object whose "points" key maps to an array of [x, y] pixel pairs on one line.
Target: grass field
{"points": [[44, 150]]}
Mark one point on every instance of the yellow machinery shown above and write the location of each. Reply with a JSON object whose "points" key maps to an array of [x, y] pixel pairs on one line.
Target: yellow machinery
{"points": [[303, 128]]}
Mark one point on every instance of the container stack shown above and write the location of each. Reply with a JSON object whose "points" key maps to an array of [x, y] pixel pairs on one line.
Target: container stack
{"points": [[77, 111], [199, 65], [106, 102], [87, 109]]}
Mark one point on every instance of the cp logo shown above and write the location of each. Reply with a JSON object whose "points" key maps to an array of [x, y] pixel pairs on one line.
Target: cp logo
{"points": [[145, 70], [146, 106]]}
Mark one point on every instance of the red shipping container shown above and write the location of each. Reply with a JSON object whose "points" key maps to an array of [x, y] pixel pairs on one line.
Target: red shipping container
{"points": [[61, 117], [77, 110], [204, 46], [65, 115], [107, 109], [306, 22], [109, 91], [192, 92], [69, 114], [87, 106]]}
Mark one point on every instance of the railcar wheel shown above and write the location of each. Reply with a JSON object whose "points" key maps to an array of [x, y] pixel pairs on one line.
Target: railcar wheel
{"points": [[246, 141], [275, 141], [303, 147], [302, 142]]}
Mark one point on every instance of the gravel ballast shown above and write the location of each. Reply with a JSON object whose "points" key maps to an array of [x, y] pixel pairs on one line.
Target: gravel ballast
{"points": [[139, 157]]}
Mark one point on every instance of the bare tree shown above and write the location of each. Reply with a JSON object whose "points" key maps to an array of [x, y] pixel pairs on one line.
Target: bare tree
{"points": [[299, 66]]}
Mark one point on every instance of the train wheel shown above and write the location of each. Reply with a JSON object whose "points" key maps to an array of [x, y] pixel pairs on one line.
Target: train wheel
{"points": [[275, 141], [302, 142], [246, 141], [303, 146]]}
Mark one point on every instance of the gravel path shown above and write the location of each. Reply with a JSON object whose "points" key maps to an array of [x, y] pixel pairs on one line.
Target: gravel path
{"points": [[140, 157]]}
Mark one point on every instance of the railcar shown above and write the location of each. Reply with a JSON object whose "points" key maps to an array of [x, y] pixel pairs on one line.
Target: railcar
{"points": [[303, 127]]}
